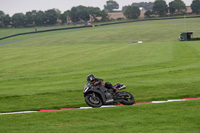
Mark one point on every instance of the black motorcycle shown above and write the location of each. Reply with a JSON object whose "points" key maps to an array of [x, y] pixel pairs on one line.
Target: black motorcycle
{"points": [[98, 95]]}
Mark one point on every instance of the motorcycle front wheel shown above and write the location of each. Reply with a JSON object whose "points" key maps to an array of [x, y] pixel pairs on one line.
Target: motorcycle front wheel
{"points": [[128, 100], [93, 100]]}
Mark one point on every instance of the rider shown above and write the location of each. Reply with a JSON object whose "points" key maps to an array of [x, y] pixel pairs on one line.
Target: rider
{"points": [[96, 81]]}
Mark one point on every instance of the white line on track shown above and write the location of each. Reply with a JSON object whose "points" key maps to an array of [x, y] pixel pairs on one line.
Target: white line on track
{"points": [[22, 112]]}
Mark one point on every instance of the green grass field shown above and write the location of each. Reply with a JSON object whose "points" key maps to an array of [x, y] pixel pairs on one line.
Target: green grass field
{"points": [[11, 31], [48, 71]]}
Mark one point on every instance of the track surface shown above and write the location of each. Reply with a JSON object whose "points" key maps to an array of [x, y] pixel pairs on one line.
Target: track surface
{"points": [[45, 110]]}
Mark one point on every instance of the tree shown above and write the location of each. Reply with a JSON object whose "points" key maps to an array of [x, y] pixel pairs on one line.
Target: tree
{"points": [[160, 8], [18, 20], [94, 12], [64, 16], [6, 20], [195, 6], [172, 9], [148, 14], [104, 16], [180, 6], [30, 17], [110, 5], [39, 18], [51, 16], [177, 6], [2, 14], [132, 12], [83, 13], [74, 15]]}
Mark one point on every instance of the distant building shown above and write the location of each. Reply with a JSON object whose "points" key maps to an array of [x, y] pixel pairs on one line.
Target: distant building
{"points": [[116, 15], [189, 9], [143, 11]]}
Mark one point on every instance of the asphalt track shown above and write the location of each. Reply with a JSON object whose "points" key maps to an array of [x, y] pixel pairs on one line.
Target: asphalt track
{"points": [[14, 41], [153, 102]]}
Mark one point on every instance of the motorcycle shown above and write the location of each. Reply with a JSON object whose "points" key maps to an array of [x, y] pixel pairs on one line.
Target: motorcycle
{"points": [[98, 95]]}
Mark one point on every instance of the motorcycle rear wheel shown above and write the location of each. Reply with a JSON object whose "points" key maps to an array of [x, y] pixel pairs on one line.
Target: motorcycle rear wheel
{"points": [[128, 100], [93, 101]]}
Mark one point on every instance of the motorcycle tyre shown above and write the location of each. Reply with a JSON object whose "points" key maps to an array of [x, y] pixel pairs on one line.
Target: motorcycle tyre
{"points": [[90, 103], [126, 102]]}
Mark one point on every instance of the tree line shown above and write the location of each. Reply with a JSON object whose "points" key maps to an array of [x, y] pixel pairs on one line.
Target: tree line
{"points": [[160, 8], [175, 7], [84, 14], [52, 17]]}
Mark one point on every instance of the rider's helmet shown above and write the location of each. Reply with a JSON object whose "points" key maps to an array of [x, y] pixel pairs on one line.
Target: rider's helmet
{"points": [[90, 78]]}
